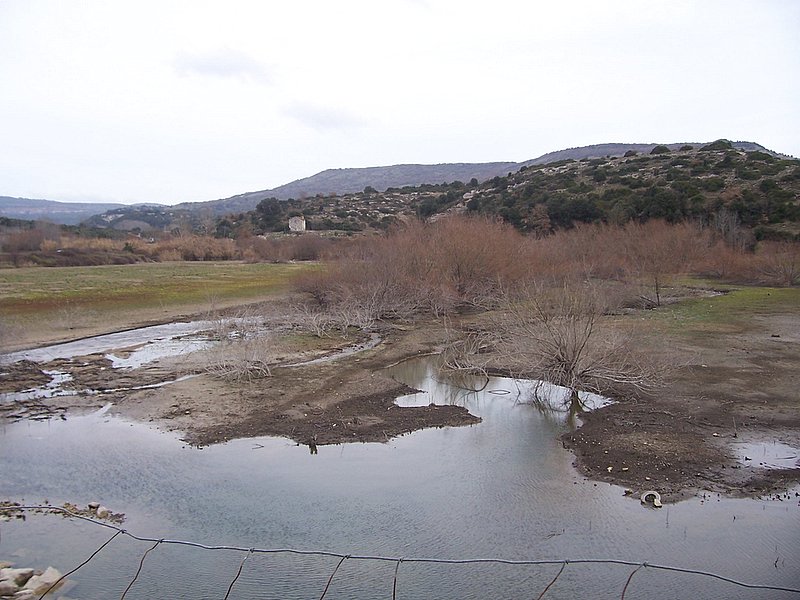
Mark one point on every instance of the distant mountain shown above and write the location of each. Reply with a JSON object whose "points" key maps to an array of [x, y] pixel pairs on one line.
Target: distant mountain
{"points": [[349, 181], [63, 213], [331, 181]]}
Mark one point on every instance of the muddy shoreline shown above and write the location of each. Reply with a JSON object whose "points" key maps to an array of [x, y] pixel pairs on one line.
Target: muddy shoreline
{"points": [[728, 388]]}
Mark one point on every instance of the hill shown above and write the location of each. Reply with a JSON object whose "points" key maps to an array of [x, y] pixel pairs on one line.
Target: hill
{"points": [[63, 213], [337, 182], [754, 189], [348, 181]]}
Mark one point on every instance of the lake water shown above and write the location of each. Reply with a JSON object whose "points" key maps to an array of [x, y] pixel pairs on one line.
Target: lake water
{"points": [[504, 488]]}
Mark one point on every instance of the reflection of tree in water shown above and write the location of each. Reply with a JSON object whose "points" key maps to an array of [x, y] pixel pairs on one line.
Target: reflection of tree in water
{"points": [[556, 403]]}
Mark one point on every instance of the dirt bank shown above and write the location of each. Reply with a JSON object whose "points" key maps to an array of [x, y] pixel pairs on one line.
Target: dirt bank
{"points": [[729, 390]]}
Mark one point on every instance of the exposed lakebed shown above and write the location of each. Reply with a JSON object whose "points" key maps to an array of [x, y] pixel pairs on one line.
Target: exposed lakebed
{"points": [[503, 488]]}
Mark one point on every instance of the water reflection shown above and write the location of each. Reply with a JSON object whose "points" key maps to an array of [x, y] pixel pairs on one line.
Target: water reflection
{"points": [[440, 386]]}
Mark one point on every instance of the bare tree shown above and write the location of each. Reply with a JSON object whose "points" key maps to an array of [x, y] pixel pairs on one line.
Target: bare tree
{"points": [[656, 251], [557, 335]]}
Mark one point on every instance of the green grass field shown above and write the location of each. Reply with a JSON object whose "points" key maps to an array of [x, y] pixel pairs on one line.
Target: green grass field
{"points": [[28, 291], [730, 311]]}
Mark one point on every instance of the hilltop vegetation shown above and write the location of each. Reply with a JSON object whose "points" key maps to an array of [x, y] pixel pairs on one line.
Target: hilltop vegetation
{"points": [[755, 189], [715, 183]]}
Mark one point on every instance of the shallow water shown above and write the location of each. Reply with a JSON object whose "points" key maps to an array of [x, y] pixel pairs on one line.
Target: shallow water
{"points": [[767, 455], [503, 488], [154, 337]]}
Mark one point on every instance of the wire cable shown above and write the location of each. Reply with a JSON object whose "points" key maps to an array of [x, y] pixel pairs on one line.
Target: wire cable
{"points": [[327, 585], [91, 556], [139, 570], [549, 585], [394, 559], [239, 572], [625, 588]]}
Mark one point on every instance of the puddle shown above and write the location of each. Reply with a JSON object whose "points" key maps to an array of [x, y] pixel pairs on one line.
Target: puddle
{"points": [[157, 334], [150, 344], [157, 350], [51, 389], [54, 390], [768, 455], [443, 388], [136, 348]]}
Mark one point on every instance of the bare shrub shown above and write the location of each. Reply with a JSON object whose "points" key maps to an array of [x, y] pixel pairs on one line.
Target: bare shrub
{"points": [[242, 360], [308, 246], [71, 315], [314, 320], [202, 248], [8, 330], [434, 268], [557, 335], [244, 351], [260, 249], [27, 240], [656, 251], [726, 262], [586, 251], [779, 263], [305, 247]]}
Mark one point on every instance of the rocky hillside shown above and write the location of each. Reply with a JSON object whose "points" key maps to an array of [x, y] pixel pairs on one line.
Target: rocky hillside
{"points": [[333, 182], [753, 189], [349, 181]]}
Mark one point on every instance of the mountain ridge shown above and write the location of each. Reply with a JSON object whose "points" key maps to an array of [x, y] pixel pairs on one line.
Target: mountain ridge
{"points": [[329, 181], [393, 176]]}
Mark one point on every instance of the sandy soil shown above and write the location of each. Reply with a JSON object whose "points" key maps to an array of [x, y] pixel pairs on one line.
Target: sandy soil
{"points": [[726, 389]]}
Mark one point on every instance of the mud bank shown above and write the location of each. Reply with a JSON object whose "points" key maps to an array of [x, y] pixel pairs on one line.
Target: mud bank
{"points": [[727, 389]]}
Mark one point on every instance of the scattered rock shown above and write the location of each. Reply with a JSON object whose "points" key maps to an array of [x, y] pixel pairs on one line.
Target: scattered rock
{"points": [[8, 588], [19, 577], [39, 584], [102, 512]]}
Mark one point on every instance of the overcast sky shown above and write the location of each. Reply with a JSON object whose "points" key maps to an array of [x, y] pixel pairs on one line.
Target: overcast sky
{"points": [[167, 101]]}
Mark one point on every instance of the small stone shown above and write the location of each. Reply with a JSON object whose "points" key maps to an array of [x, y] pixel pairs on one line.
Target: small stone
{"points": [[624, 468], [609, 469], [8, 588], [41, 583], [93, 505], [17, 576], [102, 512]]}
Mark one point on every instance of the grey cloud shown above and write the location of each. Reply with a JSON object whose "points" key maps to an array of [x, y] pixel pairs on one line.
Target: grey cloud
{"points": [[323, 118], [224, 63]]}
